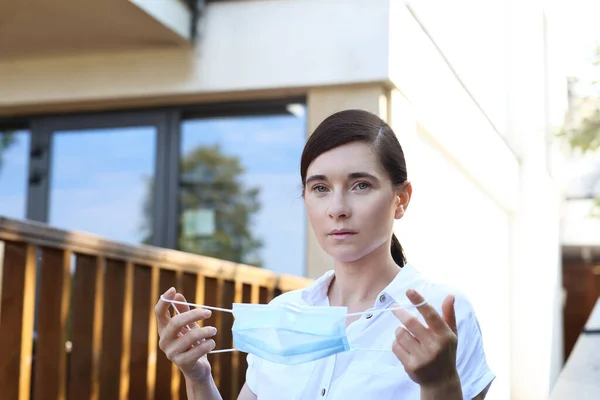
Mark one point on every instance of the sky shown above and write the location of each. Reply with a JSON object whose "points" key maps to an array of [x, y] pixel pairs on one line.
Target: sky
{"points": [[98, 179]]}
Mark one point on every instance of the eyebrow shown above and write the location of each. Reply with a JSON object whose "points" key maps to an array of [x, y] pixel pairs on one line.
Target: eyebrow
{"points": [[353, 175]]}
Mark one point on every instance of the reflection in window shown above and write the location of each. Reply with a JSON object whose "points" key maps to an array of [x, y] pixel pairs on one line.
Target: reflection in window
{"points": [[101, 182], [14, 160], [240, 195]]}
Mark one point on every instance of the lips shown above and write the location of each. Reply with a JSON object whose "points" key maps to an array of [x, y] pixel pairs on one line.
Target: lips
{"points": [[342, 233]]}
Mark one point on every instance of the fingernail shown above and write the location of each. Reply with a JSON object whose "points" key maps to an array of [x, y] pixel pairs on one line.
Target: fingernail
{"points": [[410, 292], [170, 291], [213, 330]]}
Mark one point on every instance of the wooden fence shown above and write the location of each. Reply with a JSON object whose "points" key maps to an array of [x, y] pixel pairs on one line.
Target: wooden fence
{"points": [[77, 322]]}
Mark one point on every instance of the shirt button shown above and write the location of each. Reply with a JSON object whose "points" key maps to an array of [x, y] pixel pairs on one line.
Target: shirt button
{"points": [[323, 392], [382, 298], [369, 316]]}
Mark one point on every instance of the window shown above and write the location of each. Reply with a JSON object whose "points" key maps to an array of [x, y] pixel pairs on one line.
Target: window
{"points": [[240, 192], [101, 182], [14, 159]]}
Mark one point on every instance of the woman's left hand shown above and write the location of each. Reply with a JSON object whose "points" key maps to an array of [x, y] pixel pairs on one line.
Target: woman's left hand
{"points": [[428, 353]]}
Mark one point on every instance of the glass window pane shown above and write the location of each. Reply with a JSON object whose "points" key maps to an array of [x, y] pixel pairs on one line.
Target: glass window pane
{"points": [[101, 182], [240, 192], [14, 166]]}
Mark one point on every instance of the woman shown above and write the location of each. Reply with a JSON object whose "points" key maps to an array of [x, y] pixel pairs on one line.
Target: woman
{"points": [[354, 187]]}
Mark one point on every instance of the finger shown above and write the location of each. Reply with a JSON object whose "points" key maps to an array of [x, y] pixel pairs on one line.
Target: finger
{"points": [[180, 321], [194, 337], [408, 341], [181, 307], [401, 353], [431, 316], [161, 310], [449, 314], [413, 325], [191, 356]]}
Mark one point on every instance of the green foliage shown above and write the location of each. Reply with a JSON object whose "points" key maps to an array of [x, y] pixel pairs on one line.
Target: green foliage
{"points": [[7, 139], [582, 128], [584, 134], [211, 180]]}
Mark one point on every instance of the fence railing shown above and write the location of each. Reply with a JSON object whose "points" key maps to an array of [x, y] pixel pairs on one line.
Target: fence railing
{"points": [[580, 377], [76, 314]]}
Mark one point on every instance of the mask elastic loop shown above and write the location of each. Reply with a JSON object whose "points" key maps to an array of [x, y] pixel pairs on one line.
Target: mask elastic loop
{"points": [[173, 302], [222, 351], [387, 309], [195, 305]]}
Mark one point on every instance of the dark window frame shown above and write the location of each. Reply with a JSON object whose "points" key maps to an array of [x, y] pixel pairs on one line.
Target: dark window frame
{"points": [[167, 121]]}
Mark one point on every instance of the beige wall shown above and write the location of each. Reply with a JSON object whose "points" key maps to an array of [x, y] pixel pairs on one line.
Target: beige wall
{"points": [[250, 47], [322, 102]]}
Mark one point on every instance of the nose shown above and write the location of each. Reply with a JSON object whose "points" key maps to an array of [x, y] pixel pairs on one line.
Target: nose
{"points": [[339, 207]]}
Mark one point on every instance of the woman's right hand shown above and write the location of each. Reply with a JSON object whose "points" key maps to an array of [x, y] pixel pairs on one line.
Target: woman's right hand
{"points": [[187, 348]]}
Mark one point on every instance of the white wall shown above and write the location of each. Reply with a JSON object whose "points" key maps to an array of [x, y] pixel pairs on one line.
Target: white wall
{"points": [[452, 118], [472, 36], [455, 232], [485, 216], [536, 283]]}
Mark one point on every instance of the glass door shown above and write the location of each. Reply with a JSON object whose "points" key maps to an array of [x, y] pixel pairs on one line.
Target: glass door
{"points": [[101, 182], [97, 174]]}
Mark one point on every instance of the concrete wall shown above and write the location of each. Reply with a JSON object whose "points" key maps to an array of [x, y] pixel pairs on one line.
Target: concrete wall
{"points": [[244, 47]]}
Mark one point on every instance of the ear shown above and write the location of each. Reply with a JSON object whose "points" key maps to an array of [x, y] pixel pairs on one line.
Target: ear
{"points": [[403, 195]]}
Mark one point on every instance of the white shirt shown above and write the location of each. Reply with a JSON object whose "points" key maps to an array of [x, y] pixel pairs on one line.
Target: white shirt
{"points": [[377, 375]]}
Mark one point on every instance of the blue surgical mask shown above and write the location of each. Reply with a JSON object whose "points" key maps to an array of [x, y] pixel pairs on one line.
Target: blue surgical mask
{"points": [[290, 333]]}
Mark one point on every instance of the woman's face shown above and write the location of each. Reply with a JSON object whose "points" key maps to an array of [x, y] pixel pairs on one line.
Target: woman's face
{"points": [[350, 201]]}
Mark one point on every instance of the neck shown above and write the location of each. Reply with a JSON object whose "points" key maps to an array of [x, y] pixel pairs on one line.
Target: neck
{"points": [[357, 284]]}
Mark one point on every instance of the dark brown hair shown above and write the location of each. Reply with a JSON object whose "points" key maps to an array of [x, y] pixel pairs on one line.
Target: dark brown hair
{"points": [[360, 126]]}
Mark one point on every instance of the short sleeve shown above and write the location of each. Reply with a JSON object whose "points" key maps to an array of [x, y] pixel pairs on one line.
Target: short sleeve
{"points": [[475, 375], [252, 372]]}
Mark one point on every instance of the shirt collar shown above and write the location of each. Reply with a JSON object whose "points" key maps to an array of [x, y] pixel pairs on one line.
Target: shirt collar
{"points": [[317, 291], [409, 277]]}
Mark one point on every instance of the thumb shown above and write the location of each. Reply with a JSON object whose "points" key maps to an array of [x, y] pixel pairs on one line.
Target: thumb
{"points": [[161, 310], [448, 313]]}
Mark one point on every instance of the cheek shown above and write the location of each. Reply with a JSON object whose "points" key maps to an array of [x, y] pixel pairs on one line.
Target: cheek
{"points": [[313, 210], [380, 209]]}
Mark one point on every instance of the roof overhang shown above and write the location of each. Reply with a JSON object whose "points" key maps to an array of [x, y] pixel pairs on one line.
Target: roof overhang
{"points": [[36, 28]]}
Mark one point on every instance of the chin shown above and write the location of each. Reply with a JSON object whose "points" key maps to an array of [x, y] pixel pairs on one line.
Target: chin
{"points": [[346, 255]]}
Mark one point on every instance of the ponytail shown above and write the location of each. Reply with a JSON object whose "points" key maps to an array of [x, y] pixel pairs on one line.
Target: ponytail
{"points": [[397, 252]]}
